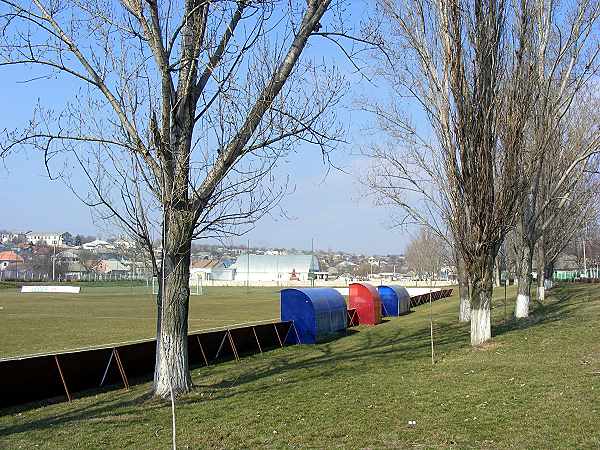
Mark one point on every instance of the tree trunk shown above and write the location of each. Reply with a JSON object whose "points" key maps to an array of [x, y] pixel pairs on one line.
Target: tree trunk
{"points": [[481, 302], [549, 270], [524, 274], [172, 366], [464, 312], [497, 272], [541, 272]]}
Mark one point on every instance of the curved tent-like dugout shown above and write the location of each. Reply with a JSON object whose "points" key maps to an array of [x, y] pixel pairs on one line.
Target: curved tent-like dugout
{"points": [[315, 312], [364, 298], [395, 300]]}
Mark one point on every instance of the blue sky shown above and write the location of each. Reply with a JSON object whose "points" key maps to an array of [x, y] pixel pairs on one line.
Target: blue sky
{"points": [[331, 209]]}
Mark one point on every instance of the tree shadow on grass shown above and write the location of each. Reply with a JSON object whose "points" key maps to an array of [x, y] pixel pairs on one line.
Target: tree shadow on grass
{"points": [[373, 349], [79, 412], [562, 304]]}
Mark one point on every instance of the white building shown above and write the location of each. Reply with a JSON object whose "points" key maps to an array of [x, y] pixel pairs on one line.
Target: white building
{"points": [[123, 243], [374, 261], [98, 245], [47, 238], [275, 267], [67, 257], [346, 266], [210, 269], [202, 268], [7, 237], [275, 252]]}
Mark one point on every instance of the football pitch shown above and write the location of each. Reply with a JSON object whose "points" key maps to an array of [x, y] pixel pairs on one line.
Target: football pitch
{"points": [[98, 316]]}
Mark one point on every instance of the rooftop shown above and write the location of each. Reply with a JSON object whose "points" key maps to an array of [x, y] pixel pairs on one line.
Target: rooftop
{"points": [[10, 256]]}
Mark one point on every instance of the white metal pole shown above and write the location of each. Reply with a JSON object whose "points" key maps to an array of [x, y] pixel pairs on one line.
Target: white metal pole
{"points": [[584, 260], [54, 264], [248, 268]]}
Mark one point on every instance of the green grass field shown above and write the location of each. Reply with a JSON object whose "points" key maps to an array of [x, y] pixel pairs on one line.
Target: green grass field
{"points": [[536, 385], [39, 323]]}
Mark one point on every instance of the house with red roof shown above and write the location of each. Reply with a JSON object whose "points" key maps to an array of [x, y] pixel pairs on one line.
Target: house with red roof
{"points": [[9, 257]]}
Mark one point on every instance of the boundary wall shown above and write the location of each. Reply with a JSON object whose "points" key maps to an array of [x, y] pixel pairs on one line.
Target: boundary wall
{"points": [[64, 375]]}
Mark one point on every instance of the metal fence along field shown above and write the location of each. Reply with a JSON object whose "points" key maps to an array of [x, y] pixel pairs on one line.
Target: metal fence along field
{"points": [[61, 376]]}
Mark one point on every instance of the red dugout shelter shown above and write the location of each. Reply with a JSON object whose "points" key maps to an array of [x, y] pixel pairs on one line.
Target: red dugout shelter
{"points": [[364, 298]]}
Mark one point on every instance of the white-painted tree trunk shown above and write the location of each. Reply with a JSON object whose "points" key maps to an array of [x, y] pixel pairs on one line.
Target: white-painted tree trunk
{"points": [[481, 302], [523, 296], [522, 306], [541, 293], [497, 280], [481, 328], [172, 373], [464, 310], [541, 270]]}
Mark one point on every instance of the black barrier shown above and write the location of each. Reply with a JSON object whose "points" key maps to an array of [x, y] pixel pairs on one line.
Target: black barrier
{"points": [[424, 298], [60, 376]]}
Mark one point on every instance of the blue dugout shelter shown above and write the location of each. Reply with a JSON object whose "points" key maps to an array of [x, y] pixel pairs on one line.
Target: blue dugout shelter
{"points": [[395, 300], [316, 313]]}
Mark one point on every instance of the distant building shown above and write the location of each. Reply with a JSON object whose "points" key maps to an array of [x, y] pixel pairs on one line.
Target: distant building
{"points": [[374, 261], [346, 266], [67, 257], [98, 245], [8, 257], [46, 238], [19, 270], [139, 269], [275, 252], [202, 268], [9, 237], [73, 270], [275, 267], [111, 267], [123, 244], [211, 269], [196, 256]]}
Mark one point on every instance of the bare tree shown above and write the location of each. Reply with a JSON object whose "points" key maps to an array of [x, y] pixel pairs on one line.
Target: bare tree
{"points": [[556, 201], [565, 222], [408, 181], [565, 59], [426, 254], [182, 110], [465, 65], [472, 68]]}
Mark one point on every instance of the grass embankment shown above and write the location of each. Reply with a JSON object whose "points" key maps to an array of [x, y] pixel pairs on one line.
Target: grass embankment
{"points": [[536, 385], [35, 323]]}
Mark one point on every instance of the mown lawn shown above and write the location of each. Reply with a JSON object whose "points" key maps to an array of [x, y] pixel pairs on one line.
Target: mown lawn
{"points": [[536, 385], [37, 323]]}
